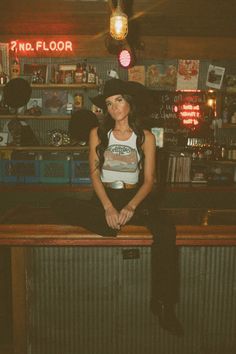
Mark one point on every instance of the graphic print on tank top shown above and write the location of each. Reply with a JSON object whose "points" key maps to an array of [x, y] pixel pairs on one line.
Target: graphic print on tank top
{"points": [[120, 158]]}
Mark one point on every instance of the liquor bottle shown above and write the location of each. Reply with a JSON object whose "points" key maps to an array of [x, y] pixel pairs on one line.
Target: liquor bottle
{"points": [[78, 101], [15, 67], [79, 74], [91, 75], [85, 72], [52, 80], [3, 76], [96, 76], [57, 78], [34, 77]]}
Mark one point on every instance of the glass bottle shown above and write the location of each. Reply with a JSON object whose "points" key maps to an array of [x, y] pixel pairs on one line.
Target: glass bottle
{"points": [[3, 76], [79, 74], [85, 72], [15, 67]]}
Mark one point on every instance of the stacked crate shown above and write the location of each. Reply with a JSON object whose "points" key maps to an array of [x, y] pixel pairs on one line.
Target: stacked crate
{"points": [[22, 168], [80, 168], [55, 167]]}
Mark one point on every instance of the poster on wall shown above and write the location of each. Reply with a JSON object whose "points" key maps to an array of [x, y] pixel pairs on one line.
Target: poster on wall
{"points": [[4, 57], [230, 82], [137, 74], [187, 75], [161, 76], [215, 76], [34, 107], [55, 102]]}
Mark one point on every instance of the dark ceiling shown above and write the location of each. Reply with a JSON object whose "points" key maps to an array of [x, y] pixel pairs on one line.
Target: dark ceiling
{"points": [[153, 17]]}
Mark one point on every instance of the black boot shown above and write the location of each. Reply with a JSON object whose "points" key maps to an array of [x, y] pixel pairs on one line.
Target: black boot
{"points": [[167, 317]]}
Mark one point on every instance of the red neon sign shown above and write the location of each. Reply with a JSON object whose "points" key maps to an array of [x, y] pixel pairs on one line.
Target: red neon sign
{"points": [[190, 121], [190, 114], [41, 46]]}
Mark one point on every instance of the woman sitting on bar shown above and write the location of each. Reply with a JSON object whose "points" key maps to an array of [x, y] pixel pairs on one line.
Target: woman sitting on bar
{"points": [[122, 167]]}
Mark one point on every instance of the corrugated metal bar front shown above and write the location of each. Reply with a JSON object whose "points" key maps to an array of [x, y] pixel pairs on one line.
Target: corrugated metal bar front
{"points": [[92, 300]]}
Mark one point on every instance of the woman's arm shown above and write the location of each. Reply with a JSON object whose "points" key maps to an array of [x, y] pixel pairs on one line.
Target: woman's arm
{"points": [[149, 149], [111, 213]]}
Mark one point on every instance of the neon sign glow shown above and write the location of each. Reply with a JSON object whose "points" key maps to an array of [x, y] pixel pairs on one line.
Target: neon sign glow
{"points": [[190, 114], [41, 46]]}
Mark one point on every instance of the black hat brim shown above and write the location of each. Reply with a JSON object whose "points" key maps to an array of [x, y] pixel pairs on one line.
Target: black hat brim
{"points": [[17, 92], [142, 96], [99, 101]]}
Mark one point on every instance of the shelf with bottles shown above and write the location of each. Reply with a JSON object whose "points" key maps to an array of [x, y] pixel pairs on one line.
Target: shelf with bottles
{"points": [[43, 148], [214, 162], [182, 169], [57, 89], [219, 154], [229, 125], [222, 149], [228, 109], [33, 117], [82, 86], [52, 101], [201, 164]]}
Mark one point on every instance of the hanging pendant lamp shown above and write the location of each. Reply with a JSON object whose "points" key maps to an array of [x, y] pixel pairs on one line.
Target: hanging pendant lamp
{"points": [[118, 23]]}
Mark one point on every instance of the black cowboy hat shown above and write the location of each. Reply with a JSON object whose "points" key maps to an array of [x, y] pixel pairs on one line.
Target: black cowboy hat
{"points": [[80, 125], [17, 92], [113, 87]]}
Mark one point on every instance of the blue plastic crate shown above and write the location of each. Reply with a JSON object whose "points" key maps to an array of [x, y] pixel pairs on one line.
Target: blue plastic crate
{"points": [[55, 171], [20, 171], [80, 172]]}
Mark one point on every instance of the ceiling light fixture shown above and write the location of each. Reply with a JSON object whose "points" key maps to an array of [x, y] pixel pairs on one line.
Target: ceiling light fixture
{"points": [[118, 23]]}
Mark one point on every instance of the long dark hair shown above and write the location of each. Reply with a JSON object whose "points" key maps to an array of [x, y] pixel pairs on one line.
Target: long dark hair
{"points": [[108, 124]]}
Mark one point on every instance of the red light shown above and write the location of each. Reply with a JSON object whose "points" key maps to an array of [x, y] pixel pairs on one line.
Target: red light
{"points": [[175, 109], [125, 58]]}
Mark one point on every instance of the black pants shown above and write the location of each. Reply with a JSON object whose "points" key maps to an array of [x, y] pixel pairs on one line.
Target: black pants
{"points": [[164, 257]]}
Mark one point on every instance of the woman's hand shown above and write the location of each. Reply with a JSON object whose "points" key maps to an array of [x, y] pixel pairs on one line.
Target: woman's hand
{"points": [[126, 214], [112, 217]]}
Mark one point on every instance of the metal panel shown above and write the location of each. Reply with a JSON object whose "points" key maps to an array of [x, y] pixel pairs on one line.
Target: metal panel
{"points": [[91, 300]]}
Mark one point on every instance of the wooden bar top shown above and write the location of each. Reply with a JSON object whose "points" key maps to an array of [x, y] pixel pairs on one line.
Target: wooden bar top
{"points": [[65, 235], [26, 226]]}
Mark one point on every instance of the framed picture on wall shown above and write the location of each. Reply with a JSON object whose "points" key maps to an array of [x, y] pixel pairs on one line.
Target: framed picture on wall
{"points": [[55, 102], [215, 76], [137, 74], [4, 57], [159, 136], [34, 107]]}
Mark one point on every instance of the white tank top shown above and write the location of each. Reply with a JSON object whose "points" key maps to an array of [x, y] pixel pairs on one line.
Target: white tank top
{"points": [[121, 160]]}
